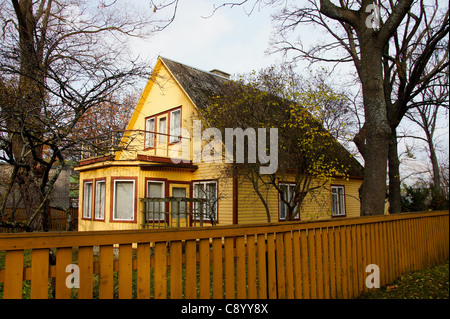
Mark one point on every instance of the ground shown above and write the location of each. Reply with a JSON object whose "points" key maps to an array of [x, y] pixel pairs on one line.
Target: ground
{"points": [[430, 283]]}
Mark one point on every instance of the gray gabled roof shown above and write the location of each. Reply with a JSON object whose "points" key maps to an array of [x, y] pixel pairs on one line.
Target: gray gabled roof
{"points": [[199, 85], [202, 85]]}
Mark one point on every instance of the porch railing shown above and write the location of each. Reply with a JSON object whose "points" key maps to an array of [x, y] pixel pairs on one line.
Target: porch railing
{"points": [[183, 212]]}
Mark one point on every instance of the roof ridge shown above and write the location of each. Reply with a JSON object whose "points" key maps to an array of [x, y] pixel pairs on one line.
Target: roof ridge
{"points": [[195, 68]]}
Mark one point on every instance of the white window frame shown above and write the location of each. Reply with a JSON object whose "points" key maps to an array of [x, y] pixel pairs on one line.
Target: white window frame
{"points": [[205, 207], [100, 208], [282, 204], [87, 213], [175, 132], [340, 200], [149, 134], [115, 199], [162, 216]]}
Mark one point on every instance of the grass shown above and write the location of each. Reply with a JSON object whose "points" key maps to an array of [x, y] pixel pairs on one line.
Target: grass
{"points": [[430, 283]]}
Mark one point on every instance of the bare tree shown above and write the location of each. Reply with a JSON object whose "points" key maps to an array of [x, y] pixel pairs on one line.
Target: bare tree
{"points": [[362, 32], [391, 46], [57, 60], [426, 114]]}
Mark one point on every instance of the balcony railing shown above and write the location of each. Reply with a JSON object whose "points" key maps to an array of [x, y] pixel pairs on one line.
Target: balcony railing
{"points": [[183, 212], [131, 142]]}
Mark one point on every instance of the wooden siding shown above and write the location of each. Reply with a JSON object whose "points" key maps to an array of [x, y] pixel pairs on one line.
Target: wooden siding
{"points": [[316, 205]]}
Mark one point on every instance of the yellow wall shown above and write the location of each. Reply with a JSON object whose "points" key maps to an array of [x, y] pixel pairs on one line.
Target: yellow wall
{"points": [[316, 205], [162, 93]]}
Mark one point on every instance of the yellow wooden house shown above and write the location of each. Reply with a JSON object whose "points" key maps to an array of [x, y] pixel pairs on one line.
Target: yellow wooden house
{"points": [[113, 188]]}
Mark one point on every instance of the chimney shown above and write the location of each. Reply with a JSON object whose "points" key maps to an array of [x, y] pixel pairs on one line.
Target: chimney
{"points": [[220, 73]]}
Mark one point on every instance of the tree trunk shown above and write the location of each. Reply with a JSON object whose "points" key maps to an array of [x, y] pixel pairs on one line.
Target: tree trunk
{"points": [[378, 131], [436, 198], [254, 180], [24, 120], [395, 204], [31, 197]]}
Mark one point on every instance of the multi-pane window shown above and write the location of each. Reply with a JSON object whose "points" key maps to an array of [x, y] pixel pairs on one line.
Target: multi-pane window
{"points": [[338, 200], [87, 200], [124, 200], [100, 199], [161, 125], [175, 126], [288, 196], [206, 190], [155, 189]]}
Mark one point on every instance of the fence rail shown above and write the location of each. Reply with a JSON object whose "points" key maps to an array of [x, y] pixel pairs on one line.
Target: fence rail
{"points": [[321, 259]]}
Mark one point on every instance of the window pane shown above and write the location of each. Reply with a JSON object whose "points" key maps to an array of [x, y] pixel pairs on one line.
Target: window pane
{"points": [[175, 126], [282, 208], [150, 137], [334, 204], [156, 190], [211, 204], [198, 193], [87, 200], [292, 199], [100, 200], [341, 201], [124, 200], [162, 128], [179, 192]]}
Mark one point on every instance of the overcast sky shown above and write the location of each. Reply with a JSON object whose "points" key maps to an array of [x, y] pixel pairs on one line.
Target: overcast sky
{"points": [[228, 40]]}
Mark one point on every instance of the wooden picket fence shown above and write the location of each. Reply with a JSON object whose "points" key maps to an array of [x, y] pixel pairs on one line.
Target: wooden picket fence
{"points": [[321, 259]]}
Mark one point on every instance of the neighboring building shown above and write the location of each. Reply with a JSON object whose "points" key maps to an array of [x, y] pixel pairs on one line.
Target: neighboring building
{"points": [[112, 186], [59, 196]]}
